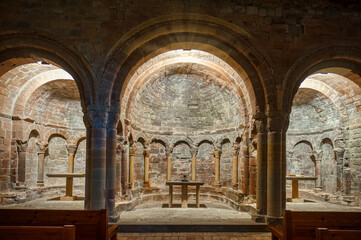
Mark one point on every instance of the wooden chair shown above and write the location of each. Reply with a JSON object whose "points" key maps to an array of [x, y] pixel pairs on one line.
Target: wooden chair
{"points": [[89, 224], [66, 232]]}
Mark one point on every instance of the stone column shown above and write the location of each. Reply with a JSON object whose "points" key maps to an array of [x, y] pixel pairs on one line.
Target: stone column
{"points": [[124, 171], [21, 148], [245, 166], [41, 147], [111, 155], [217, 158], [146, 167], [131, 167], [318, 169], [71, 153], [194, 163], [95, 120], [261, 193], [235, 166], [275, 164], [169, 164], [347, 177], [118, 167], [339, 152]]}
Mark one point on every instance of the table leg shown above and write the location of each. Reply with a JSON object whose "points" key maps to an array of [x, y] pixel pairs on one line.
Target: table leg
{"points": [[197, 196], [170, 196], [294, 188], [69, 187], [184, 196]]}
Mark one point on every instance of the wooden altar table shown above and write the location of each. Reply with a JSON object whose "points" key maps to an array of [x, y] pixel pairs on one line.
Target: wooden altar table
{"points": [[69, 184], [295, 179], [184, 185]]}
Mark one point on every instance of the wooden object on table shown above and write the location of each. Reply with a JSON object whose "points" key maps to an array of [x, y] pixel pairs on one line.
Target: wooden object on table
{"points": [[295, 179], [303, 224], [184, 197], [89, 224], [69, 183], [66, 232]]}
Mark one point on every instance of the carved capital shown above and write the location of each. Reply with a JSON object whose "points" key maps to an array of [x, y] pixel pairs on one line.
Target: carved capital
{"points": [[71, 149], [217, 153], [235, 150], [194, 152], [146, 152], [21, 146], [96, 116], [113, 117], [41, 147], [131, 151], [277, 122], [260, 122], [168, 152]]}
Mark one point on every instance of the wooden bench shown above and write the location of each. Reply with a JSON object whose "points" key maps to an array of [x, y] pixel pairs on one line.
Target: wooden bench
{"points": [[66, 232], [337, 234], [89, 224], [303, 224]]}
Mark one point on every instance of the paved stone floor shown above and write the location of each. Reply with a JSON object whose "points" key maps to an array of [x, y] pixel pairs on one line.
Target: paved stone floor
{"points": [[195, 236]]}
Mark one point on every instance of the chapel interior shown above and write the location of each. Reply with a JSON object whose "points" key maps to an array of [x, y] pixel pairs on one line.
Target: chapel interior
{"points": [[127, 95]]}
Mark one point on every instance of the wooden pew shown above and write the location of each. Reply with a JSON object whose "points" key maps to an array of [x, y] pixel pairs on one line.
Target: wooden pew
{"points": [[303, 224], [66, 232], [337, 234], [89, 224]]}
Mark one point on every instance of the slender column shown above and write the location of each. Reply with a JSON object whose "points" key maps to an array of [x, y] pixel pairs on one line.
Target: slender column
{"points": [[274, 166], [284, 166], [169, 164], [41, 147], [146, 167], [124, 171], [318, 170], [194, 163], [71, 153], [339, 152], [217, 155], [111, 156], [118, 167], [131, 167], [235, 166], [347, 177], [96, 118], [21, 148], [88, 172], [245, 163], [261, 194]]}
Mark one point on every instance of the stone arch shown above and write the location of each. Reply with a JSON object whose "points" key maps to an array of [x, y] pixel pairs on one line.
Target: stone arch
{"points": [[208, 140], [188, 31], [304, 141], [161, 140], [330, 58], [184, 140], [56, 133], [33, 47], [79, 139]]}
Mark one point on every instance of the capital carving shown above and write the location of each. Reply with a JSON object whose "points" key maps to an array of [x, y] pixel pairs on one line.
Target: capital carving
{"points": [[261, 122], [168, 152], [235, 150], [217, 153], [41, 147], [194, 152], [71, 149], [276, 122], [21, 146], [113, 117], [96, 116], [131, 151], [146, 152]]}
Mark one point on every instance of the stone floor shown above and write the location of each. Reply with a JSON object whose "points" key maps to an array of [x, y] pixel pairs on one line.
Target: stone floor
{"points": [[195, 236]]}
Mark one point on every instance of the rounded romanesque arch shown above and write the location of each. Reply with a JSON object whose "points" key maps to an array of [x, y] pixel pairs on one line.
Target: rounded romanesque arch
{"points": [[185, 31], [21, 48]]}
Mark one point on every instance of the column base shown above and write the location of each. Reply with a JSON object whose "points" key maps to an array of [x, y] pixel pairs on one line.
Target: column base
{"points": [[259, 218], [274, 220], [21, 185], [114, 218], [146, 186], [235, 186]]}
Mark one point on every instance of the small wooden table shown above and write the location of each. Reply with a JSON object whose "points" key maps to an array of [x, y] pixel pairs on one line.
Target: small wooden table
{"points": [[69, 184], [184, 185], [295, 179]]}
